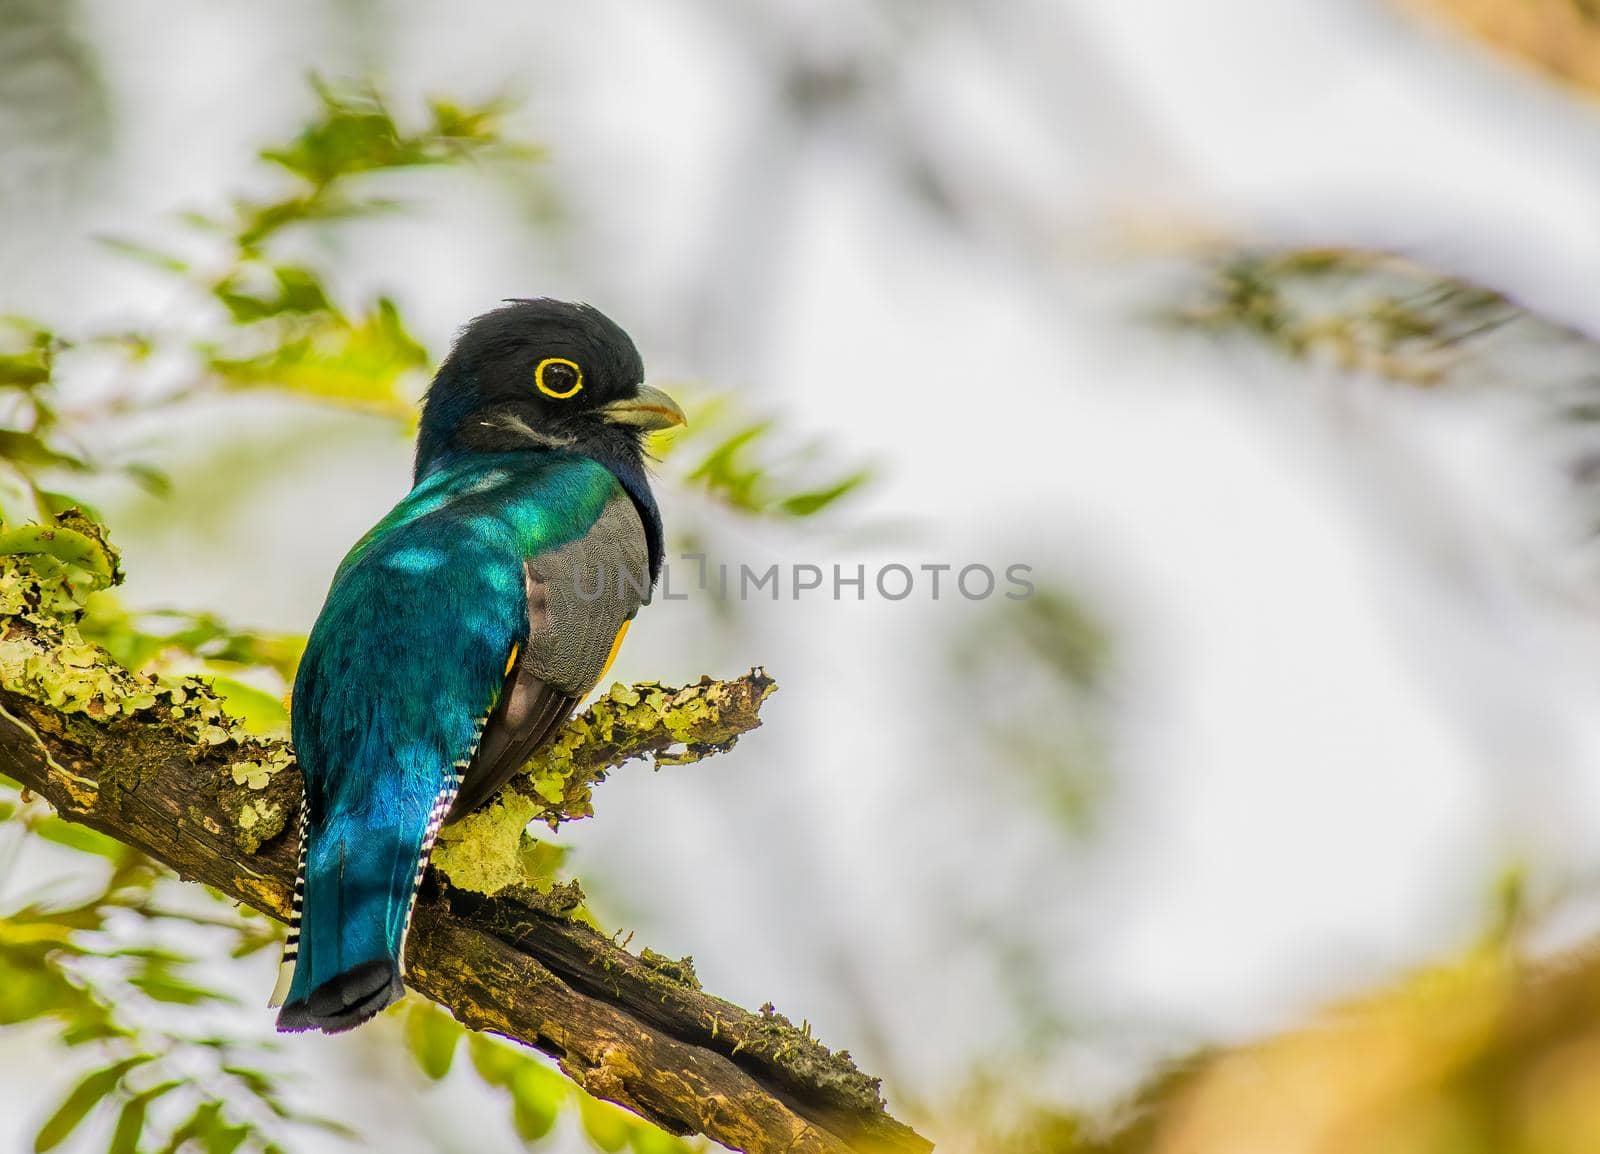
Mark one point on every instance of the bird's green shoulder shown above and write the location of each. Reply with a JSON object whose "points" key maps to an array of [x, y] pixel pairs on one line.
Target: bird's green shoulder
{"points": [[528, 501]]}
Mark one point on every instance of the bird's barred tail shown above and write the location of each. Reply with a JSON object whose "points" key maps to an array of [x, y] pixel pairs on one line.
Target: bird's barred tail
{"points": [[344, 959], [441, 810], [291, 943]]}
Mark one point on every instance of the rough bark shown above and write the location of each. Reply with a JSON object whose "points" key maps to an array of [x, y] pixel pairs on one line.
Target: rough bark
{"points": [[159, 768]]}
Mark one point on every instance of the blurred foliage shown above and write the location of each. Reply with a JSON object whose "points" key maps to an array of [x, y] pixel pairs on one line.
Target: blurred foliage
{"points": [[1371, 312], [749, 465], [1488, 1055], [147, 641], [1033, 675], [271, 323], [1360, 311], [282, 326], [1558, 37], [99, 970], [276, 324]]}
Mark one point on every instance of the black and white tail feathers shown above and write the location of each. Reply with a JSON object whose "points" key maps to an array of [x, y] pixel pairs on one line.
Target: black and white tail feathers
{"points": [[291, 943], [353, 996]]}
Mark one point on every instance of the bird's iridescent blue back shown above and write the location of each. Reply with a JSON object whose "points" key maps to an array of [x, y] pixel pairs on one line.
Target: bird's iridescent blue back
{"points": [[405, 660]]}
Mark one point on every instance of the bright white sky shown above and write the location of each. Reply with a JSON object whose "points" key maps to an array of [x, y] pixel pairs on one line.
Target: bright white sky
{"points": [[1357, 656]]}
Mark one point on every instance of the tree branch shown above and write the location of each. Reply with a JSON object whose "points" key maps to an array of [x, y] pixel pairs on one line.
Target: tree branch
{"points": [[161, 768]]}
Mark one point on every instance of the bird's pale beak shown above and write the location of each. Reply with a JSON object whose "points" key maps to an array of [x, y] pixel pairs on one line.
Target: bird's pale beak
{"points": [[650, 409]]}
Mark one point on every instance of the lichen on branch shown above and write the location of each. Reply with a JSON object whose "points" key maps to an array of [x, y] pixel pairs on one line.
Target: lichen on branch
{"points": [[47, 574], [486, 852]]}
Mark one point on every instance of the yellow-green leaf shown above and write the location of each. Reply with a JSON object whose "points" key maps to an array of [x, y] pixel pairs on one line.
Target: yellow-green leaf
{"points": [[432, 1035], [84, 1097]]}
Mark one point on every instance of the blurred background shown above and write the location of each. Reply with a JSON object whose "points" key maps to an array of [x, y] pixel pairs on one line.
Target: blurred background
{"points": [[1258, 330]]}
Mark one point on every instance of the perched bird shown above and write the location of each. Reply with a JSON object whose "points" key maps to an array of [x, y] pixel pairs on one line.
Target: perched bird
{"points": [[460, 632]]}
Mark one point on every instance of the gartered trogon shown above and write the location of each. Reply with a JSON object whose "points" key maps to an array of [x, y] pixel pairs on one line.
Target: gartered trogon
{"points": [[461, 631]]}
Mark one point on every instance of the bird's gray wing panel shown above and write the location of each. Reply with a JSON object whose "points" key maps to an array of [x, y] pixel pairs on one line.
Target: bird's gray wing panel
{"points": [[581, 597]]}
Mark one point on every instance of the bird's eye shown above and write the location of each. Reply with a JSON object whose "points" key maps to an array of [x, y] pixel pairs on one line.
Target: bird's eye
{"points": [[558, 377]]}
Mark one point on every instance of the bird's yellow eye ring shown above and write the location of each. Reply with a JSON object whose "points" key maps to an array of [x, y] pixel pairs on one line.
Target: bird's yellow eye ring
{"points": [[558, 377]]}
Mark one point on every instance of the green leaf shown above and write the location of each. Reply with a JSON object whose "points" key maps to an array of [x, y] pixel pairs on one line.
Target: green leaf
{"points": [[263, 713], [80, 838], [541, 861], [722, 474], [536, 1091], [211, 1129], [225, 1139], [356, 133], [136, 639], [81, 1032], [647, 1139], [536, 1097], [809, 504], [149, 478], [144, 254], [26, 996], [297, 290], [198, 1125], [55, 503], [432, 1034], [154, 955], [30, 451], [323, 1123], [255, 937], [495, 1062], [83, 1098], [607, 1126], [255, 1081], [749, 469], [164, 987], [49, 927], [330, 358], [130, 1123], [25, 369]]}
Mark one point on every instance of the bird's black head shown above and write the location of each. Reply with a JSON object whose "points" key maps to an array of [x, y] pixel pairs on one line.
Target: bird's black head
{"points": [[541, 374]]}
